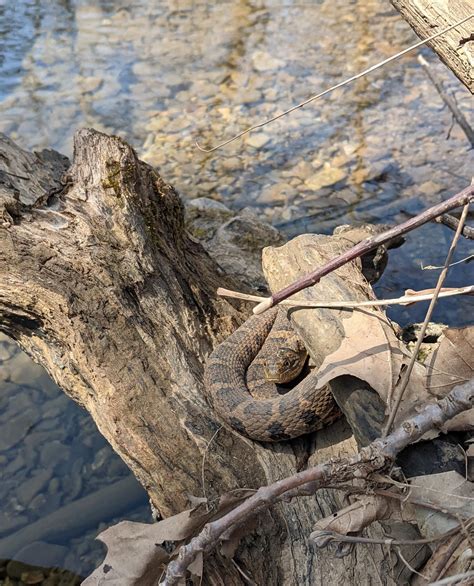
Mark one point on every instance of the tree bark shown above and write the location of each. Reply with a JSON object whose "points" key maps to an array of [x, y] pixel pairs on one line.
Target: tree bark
{"points": [[102, 285], [455, 48]]}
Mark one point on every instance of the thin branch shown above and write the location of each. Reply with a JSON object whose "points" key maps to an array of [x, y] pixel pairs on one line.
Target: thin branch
{"points": [[424, 327], [337, 86], [452, 222], [203, 465], [448, 100], [324, 538], [409, 299], [457, 579], [400, 555], [453, 264], [460, 199], [371, 458]]}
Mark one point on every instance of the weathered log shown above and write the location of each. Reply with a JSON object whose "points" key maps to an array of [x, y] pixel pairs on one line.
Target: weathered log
{"points": [[455, 48], [102, 285]]}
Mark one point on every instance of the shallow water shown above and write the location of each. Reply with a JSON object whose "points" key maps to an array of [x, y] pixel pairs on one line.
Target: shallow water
{"points": [[163, 74]]}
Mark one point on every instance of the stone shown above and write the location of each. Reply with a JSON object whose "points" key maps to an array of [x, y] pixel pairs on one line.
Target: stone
{"points": [[263, 61], [32, 486], [326, 177], [16, 429], [10, 524], [53, 452], [8, 348], [90, 84], [17, 464], [23, 369], [277, 193], [42, 554], [258, 140]]}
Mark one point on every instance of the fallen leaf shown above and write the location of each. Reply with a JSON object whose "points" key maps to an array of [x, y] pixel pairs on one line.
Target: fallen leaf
{"points": [[451, 364], [351, 519], [134, 556], [448, 489], [371, 352], [134, 553]]}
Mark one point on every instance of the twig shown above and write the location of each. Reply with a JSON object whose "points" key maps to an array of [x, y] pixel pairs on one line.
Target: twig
{"points": [[412, 569], [404, 300], [452, 222], [371, 458], [324, 538], [453, 264], [448, 100], [337, 86], [460, 199], [457, 579], [203, 465], [442, 276]]}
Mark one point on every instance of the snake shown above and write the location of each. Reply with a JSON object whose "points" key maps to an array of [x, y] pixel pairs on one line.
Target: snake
{"points": [[275, 358]]}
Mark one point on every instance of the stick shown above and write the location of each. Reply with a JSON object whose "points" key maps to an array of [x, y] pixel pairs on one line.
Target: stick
{"points": [[452, 222], [429, 313], [407, 299], [448, 100], [337, 86], [460, 199], [371, 458]]}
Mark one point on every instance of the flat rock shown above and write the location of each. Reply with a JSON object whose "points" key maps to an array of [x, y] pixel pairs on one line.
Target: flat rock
{"points": [[9, 524], [16, 429], [326, 177], [32, 486], [277, 193], [263, 61], [258, 140], [39, 553]]}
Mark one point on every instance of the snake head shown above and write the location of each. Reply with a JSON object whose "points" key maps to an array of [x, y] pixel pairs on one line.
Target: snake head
{"points": [[285, 365]]}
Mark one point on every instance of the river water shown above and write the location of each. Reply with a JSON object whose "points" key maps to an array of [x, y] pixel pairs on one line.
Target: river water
{"points": [[163, 74]]}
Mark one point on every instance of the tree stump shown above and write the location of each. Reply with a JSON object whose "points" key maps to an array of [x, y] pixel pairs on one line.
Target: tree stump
{"points": [[101, 284]]}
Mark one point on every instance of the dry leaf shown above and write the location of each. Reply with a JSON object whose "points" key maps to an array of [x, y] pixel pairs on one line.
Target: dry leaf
{"points": [[371, 352], [361, 513], [134, 556], [448, 489], [451, 364]]}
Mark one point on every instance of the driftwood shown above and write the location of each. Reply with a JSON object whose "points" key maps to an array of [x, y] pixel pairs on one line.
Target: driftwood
{"points": [[101, 284], [456, 48]]}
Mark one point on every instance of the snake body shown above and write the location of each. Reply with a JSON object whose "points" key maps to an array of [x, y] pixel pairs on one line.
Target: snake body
{"points": [[302, 410]]}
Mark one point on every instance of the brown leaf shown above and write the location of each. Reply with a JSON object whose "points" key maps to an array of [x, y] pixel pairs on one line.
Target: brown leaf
{"points": [[133, 556], [371, 352], [447, 489], [451, 364], [361, 513]]}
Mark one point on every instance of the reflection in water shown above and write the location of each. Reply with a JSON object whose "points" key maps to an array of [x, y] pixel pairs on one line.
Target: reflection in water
{"points": [[163, 73]]}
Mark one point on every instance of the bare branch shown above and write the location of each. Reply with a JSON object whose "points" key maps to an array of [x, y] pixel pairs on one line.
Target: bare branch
{"points": [[408, 299], [452, 222], [442, 276], [371, 458], [460, 199]]}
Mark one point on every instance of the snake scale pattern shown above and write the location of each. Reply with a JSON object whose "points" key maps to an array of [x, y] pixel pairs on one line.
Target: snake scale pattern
{"points": [[302, 410]]}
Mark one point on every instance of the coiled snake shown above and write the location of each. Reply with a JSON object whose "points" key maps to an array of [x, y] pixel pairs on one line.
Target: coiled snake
{"points": [[302, 410]]}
